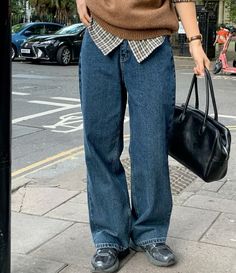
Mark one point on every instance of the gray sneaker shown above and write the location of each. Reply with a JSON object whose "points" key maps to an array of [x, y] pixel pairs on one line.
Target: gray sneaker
{"points": [[158, 253], [107, 259]]}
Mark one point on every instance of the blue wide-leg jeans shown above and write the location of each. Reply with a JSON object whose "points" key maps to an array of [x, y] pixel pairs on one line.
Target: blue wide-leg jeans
{"points": [[106, 84]]}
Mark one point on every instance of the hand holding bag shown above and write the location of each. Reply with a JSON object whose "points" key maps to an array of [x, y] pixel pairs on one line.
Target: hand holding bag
{"points": [[197, 140]]}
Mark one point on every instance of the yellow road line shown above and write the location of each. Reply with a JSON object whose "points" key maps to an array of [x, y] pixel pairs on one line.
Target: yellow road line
{"points": [[47, 160], [232, 127], [50, 164], [50, 161]]}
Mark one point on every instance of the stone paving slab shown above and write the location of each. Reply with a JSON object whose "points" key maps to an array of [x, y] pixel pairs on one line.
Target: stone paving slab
{"points": [[76, 181], [73, 246], [28, 264], [195, 186], [231, 174], [30, 231], [70, 180], [229, 188], [39, 200], [86, 268], [213, 186], [71, 211], [190, 223], [66, 174], [211, 203], [226, 196], [80, 198], [234, 197], [76, 269], [223, 231], [19, 182], [193, 257], [182, 197]]}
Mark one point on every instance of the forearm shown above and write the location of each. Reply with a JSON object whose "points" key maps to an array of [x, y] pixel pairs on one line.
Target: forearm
{"points": [[187, 14]]}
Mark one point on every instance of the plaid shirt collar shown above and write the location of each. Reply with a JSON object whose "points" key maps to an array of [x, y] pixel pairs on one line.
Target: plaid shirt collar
{"points": [[107, 42]]}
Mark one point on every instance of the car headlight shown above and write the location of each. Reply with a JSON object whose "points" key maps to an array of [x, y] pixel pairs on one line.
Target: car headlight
{"points": [[49, 42]]}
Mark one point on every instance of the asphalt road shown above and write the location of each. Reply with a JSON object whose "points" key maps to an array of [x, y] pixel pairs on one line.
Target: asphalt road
{"points": [[46, 112], [47, 116]]}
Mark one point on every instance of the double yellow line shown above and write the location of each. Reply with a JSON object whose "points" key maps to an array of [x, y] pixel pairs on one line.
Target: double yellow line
{"points": [[50, 161], [232, 127]]}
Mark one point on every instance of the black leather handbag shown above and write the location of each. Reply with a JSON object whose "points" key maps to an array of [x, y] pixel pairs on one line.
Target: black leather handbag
{"points": [[197, 140]]}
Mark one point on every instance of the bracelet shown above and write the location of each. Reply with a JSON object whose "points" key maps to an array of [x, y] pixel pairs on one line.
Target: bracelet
{"points": [[196, 37]]}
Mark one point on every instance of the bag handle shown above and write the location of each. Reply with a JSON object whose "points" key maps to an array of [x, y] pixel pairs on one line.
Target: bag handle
{"points": [[209, 92], [194, 83], [210, 84]]}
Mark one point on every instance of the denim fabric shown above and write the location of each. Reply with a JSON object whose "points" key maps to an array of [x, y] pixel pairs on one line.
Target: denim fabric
{"points": [[106, 84]]}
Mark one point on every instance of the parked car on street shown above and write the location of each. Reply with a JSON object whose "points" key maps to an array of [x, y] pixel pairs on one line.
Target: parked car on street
{"points": [[62, 47], [21, 32]]}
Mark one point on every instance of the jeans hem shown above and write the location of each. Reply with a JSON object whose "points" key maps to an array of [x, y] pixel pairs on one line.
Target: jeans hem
{"points": [[111, 245], [151, 241]]}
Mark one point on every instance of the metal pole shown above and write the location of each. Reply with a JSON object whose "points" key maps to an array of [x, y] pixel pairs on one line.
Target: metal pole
{"points": [[5, 136]]}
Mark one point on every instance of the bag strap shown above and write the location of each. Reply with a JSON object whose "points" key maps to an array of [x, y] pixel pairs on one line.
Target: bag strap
{"points": [[209, 92], [210, 85], [196, 94], [194, 84]]}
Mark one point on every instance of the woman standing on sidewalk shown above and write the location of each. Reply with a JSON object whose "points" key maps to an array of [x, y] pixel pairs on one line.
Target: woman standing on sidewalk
{"points": [[126, 52]]}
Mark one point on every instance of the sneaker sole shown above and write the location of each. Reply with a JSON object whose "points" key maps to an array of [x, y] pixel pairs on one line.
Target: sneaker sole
{"points": [[112, 269], [158, 263], [116, 265]]}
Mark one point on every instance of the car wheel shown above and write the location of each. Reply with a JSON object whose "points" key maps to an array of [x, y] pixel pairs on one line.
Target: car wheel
{"points": [[64, 55], [13, 52], [217, 67]]}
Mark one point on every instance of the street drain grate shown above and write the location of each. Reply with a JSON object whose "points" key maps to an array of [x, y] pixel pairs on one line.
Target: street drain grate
{"points": [[180, 177]]}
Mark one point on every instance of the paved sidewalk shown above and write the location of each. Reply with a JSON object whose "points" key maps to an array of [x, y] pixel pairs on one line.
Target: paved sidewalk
{"points": [[50, 231]]}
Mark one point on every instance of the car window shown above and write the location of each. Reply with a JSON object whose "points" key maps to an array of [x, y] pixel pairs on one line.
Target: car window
{"points": [[37, 30], [73, 29], [49, 29], [18, 28]]}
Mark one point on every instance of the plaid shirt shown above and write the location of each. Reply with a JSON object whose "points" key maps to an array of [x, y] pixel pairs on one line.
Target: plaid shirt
{"points": [[106, 42]]}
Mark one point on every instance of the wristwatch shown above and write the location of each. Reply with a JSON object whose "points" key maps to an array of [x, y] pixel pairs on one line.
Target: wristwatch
{"points": [[196, 37]]}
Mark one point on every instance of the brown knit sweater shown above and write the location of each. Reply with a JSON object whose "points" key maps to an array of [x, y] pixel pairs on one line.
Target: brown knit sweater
{"points": [[135, 19]]}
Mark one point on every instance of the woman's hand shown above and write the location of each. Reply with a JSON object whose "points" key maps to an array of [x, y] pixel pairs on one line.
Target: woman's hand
{"points": [[83, 12], [199, 57]]}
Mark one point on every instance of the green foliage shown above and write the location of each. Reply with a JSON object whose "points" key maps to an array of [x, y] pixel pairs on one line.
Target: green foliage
{"points": [[61, 11], [17, 7], [53, 7], [231, 5]]}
